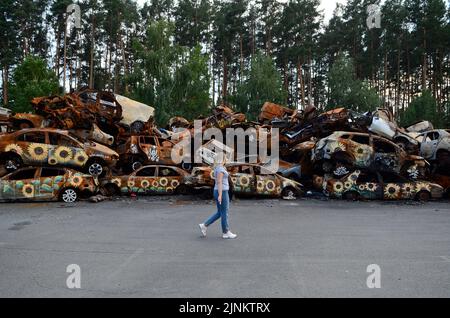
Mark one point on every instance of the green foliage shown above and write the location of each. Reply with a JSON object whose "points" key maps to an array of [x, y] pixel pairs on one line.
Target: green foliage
{"points": [[31, 79], [423, 107], [348, 91], [263, 84], [170, 77]]}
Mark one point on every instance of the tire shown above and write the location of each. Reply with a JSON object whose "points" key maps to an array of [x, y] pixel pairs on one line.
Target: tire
{"points": [[96, 168], [186, 166], [68, 195], [12, 163], [183, 189], [423, 196], [137, 127], [351, 196], [289, 193]]}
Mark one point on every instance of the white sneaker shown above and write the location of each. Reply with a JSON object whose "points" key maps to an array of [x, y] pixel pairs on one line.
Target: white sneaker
{"points": [[229, 235], [203, 229]]}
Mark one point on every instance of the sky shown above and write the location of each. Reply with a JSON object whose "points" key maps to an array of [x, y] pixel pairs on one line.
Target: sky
{"points": [[327, 5]]}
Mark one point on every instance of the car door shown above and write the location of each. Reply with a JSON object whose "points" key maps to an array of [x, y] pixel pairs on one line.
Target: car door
{"points": [[24, 184], [65, 151], [50, 181], [35, 149], [149, 145], [267, 183], [143, 181], [392, 189], [429, 144], [244, 180], [386, 155], [169, 177]]}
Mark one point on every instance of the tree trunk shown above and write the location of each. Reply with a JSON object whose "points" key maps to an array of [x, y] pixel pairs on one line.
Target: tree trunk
{"points": [[301, 82], [424, 61], [91, 58], [225, 79], [5, 85]]}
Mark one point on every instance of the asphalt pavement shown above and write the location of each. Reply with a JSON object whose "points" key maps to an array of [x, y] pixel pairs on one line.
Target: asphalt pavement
{"points": [[152, 247]]}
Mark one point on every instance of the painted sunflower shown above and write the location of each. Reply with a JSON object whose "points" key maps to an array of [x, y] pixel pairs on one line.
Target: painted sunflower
{"points": [[244, 181], [155, 184], [392, 191], [260, 186], [28, 191], [52, 161], [372, 186], [163, 182], [38, 152], [14, 148], [63, 154], [145, 184], [130, 183], [423, 186], [338, 187], [80, 158], [76, 180], [408, 190], [174, 183], [270, 185]]}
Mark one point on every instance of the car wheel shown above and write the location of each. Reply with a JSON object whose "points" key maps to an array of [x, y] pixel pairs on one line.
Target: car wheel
{"points": [[12, 163], [288, 193], [137, 127], [136, 165], [96, 169], [183, 189], [423, 196], [186, 166], [69, 195]]}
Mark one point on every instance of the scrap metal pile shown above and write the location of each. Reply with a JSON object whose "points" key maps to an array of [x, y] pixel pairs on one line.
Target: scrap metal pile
{"points": [[90, 142]]}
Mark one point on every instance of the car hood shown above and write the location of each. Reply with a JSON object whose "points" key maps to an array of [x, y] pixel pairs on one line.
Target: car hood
{"points": [[92, 147]]}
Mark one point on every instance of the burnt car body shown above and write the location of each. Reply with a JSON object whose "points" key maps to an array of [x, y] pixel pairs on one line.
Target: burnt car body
{"points": [[247, 179], [343, 151], [152, 179], [137, 151], [46, 184], [378, 186], [435, 145], [113, 114], [54, 147]]}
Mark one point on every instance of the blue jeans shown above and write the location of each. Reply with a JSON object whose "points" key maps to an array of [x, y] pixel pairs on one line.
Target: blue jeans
{"points": [[222, 211]]}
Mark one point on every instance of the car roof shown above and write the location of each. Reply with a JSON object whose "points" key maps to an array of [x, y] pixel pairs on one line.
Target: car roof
{"points": [[59, 131]]}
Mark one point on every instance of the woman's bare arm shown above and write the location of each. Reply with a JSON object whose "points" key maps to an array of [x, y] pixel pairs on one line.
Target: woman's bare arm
{"points": [[220, 187]]}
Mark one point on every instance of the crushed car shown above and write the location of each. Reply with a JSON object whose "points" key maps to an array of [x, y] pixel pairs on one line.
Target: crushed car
{"points": [[54, 147], [46, 184], [139, 150], [248, 179], [435, 145], [378, 186], [343, 151], [152, 179]]}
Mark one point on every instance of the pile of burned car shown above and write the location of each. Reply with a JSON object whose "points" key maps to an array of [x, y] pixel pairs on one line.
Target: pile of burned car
{"points": [[90, 142]]}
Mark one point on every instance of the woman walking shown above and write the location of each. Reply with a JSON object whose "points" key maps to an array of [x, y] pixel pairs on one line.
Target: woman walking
{"points": [[222, 198]]}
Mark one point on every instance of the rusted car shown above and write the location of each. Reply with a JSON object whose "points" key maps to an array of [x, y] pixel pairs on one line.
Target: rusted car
{"points": [[247, 179], [271, 111], [46, 184], [378, 186], [435, 145], [137, 151], [442, 180], [152, 179], [25, 120], [54, 147], [343, 151]]}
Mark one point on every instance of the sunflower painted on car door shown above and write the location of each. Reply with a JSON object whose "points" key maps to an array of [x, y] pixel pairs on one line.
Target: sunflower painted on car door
{"points": [[32, 147], [151, 180], [64, 150], [267, 183], [243, 179], [19, 185]]}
